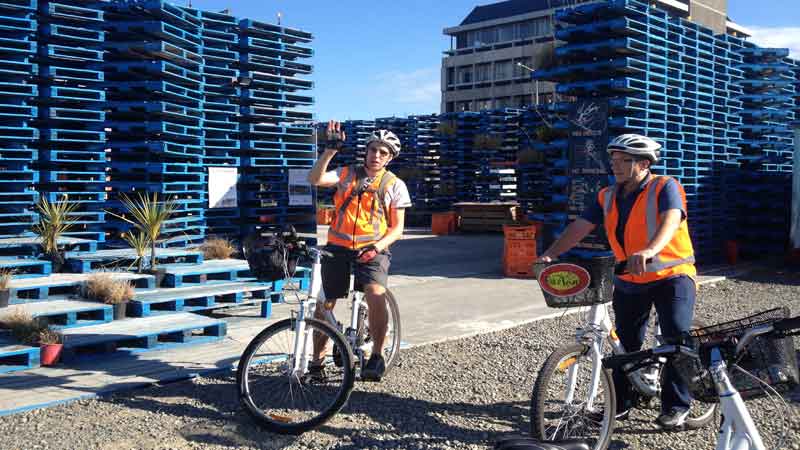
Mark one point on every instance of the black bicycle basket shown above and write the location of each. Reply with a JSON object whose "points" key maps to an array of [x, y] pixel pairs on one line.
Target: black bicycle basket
{"points": [[769, 358], [601, 284], [269, 256]]}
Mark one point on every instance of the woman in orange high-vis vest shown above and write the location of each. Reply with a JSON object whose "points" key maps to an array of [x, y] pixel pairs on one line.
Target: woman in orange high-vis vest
{"points": [[369, 216], [645, 220]]}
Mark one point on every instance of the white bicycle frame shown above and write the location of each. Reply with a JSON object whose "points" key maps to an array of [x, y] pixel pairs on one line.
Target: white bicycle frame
{"points": [[597, 329], [738, 431], [304, 342]]}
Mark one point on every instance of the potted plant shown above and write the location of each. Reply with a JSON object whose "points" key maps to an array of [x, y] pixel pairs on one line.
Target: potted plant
{"points": [[103, 287], [218, 248], [5, 281], [55, 219], [51, 343], [148, 214]]}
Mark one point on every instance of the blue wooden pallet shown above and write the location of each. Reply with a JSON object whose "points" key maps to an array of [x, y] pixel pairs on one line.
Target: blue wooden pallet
{"points": [[43, 288], [225, 270], [198, 298], [81, 262], [73, 13], [25, 268], [140, 335], [55, 32], [63, 312], [15, 357]]}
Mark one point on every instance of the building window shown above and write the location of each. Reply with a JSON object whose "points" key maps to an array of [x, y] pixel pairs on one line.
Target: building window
{"points": [[502, 70], [482, 104], [465, 74], [503, 102], [461, 41], [483, 72], [521, 72], [451, 75], [450, 107], [463, 106]]}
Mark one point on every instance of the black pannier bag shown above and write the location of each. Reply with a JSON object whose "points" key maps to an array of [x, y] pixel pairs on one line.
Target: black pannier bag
{"points": [[269, 257]]}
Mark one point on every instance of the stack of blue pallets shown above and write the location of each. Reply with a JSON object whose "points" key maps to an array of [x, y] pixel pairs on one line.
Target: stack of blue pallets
{"points": [[494, 156], [72, 159], [425, 182], [222, 92], [763, 176], [275, 127], [670, 79], [458, 160], [155, 88], [18, 135]]}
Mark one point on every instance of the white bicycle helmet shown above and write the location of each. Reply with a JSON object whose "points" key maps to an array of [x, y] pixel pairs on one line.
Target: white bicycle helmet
{"points": [[636, 145], [388, 138]]}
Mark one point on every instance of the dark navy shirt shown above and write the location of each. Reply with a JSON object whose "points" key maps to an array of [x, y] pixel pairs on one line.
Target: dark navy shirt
{"points": [[668, 198]]}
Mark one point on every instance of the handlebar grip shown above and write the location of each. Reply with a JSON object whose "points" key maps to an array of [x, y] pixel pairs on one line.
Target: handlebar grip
{"points": [[617, 361], [790, 324]]}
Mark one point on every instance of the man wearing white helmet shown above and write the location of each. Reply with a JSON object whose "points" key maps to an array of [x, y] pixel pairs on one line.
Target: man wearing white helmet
{"points": [[369, 216], [644, 217]]}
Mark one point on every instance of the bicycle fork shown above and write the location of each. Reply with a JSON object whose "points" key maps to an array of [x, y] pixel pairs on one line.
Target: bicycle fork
{"points": [[737, 432], [304, 341], [599, 325]]}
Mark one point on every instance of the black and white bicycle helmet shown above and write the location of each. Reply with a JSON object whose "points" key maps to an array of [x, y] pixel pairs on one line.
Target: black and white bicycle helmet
{"points": [[388, 138], [636, 145]]}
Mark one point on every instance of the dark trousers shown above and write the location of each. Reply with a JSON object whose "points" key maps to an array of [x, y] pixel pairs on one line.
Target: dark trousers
{"points": [[674, 302]]}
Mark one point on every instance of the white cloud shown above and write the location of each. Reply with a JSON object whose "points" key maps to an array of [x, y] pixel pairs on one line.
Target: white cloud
{"points": [[417, 87], [778, 37]]}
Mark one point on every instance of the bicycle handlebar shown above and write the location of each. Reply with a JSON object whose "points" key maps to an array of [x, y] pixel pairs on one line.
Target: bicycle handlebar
{"points": [[782, 326]]}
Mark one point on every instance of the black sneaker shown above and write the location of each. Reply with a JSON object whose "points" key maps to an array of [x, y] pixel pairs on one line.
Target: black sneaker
{"points": [[374, 368], [673, 419], [597, 416], [316, 373]]}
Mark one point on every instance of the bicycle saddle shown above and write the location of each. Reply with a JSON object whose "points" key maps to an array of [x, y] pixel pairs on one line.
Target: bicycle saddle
{"points": [[526, 443]]}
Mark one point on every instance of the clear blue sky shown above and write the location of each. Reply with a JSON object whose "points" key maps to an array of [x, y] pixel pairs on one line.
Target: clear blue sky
{"points": [[381, 58]]}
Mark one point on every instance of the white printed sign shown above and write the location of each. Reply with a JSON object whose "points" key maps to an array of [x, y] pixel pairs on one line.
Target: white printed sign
{"points": [[222, 187], [300, 193]]}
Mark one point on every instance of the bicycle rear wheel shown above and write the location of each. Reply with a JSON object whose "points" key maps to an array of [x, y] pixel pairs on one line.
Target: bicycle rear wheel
{"points": [[555, 418], [391, 346], [286, 399]]}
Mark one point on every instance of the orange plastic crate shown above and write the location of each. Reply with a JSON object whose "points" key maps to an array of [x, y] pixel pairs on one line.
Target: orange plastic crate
{"points": [[514, 232], [443, 223], [518, 258]]}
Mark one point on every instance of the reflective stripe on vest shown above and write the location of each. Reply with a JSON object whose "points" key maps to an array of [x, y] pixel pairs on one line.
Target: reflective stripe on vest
{"points": [[653, 188], [349, 207]]}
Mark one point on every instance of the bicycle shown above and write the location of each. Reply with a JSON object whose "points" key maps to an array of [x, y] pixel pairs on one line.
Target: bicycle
{"points": [[705, 355], [573, 397], [273, 379]]}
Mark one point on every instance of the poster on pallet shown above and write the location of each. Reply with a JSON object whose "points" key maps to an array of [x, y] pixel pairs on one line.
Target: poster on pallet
{"points": [[300, 193], [589, 167], [222, 187]]}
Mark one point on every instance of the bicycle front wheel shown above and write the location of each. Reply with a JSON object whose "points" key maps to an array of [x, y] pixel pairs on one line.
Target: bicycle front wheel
{"points": [[282, 395], [562, 404]]}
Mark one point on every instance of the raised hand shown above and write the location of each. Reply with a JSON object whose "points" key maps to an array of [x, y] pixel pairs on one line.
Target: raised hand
{"points": [[334, 136]]}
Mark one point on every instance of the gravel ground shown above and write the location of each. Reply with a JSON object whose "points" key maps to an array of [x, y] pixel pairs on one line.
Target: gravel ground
{"points": [[462, 394]]}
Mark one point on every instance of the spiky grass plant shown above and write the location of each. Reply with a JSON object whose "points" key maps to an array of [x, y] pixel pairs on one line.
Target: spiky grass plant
{"points": [[5, 278], [218, 248], [148, 214], [55, 219], [103, 287], [139, 242]]}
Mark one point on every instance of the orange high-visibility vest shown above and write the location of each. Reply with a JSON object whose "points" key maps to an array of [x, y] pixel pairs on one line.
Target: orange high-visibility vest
{"points": [[360, 218], [676, 258]]}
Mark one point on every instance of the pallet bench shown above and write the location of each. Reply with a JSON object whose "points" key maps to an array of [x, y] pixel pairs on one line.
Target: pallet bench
{"points": [[26, 290], [25, 268], [221, 270], [14, 357], [64, 313], [141, 335], [81, 262], [199, 298]]}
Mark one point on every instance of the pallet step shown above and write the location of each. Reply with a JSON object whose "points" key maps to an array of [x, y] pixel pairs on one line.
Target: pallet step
{"points": [[64, 313], [220, 269], [140, 335], [198, 298], [26, 268], [84, 262], [14, 357], [31, 244], [26, 290]]}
